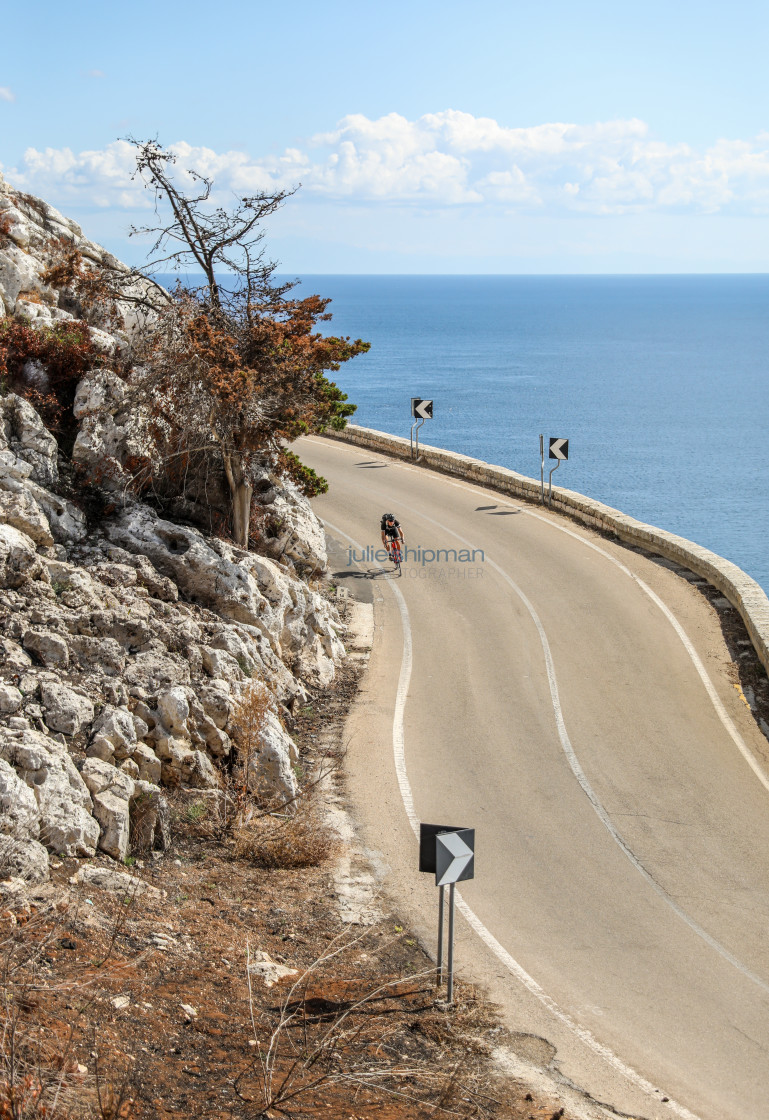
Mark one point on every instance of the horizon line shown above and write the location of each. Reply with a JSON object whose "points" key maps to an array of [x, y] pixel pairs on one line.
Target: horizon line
{"points": [[521, 275]]}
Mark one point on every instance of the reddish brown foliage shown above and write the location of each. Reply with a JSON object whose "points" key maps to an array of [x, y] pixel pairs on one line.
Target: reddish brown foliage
{"points": [[228, 387], [5, 229], [45, 366]]}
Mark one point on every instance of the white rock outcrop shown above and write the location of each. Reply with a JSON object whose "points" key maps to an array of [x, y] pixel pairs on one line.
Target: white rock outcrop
{"points": [[28, 468], [30, 226], [281, 613], [271, 769], [110, 432], [127, 640]]}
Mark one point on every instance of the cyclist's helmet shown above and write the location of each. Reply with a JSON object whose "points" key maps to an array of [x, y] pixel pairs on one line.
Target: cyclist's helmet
{"points": [[389, 517]]}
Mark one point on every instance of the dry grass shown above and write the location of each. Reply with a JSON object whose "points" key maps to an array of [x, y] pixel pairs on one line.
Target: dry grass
{"points": [[44, 1021], [302, 840], [373, 1047]]}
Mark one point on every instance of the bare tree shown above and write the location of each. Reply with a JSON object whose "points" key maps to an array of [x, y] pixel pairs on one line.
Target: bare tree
{"points": [[232, 373], [196, 233]]}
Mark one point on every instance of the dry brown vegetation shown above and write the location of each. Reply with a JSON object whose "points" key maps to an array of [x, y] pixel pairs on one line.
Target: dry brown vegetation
{"points": [[116, 1006]]}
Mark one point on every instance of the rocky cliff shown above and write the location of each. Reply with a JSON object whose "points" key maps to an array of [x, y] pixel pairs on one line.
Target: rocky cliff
{"points": [[127, 637]]}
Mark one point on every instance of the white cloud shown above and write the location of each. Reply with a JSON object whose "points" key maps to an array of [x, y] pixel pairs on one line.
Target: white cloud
{"points": [[7, 94], [447, 160]]}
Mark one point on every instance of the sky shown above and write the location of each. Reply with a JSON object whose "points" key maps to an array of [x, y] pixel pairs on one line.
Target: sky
{"points": [[497, 137]]}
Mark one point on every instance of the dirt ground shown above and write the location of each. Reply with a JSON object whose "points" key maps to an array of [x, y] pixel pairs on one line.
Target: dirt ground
{"points": [[170, 1004]]}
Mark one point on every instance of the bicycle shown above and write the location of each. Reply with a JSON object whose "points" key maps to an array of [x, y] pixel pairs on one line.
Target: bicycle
{"points": [[394, 549]]}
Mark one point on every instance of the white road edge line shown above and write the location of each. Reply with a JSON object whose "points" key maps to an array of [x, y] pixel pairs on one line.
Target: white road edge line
{"points": [[399, 753]]}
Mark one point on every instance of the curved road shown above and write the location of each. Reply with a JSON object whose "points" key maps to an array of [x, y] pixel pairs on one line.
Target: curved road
{"points": [[573, 701]]}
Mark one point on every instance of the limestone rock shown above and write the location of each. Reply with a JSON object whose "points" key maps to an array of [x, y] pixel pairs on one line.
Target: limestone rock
{"points": [[299, 534], [270, 770], [207, 571], [23, 433], [174, 709], [22, 512], [198, 771], [10, 698], [101, 776], [19, 812], [19, 562], [269, 971], [115, 729], [99, 391], [48, 647], [296, 622], [150, 766], [111, 791], [65, 710], [103, 654], [214, 698], [116, 882], [23, 859], [219, 663], [110, 433], [13, 658], [32, 225], [152, 670], [18, 273], [129, 767], [67, 522], [75, 587], [63, 800]]}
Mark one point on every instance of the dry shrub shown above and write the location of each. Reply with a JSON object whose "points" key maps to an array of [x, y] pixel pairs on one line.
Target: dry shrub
{"points": [[246, 725], [379, 1045], [44, 365], [303, 840], [5, 230]]}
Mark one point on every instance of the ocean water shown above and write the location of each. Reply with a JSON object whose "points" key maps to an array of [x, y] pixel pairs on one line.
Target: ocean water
{"points": [[660, 384]]}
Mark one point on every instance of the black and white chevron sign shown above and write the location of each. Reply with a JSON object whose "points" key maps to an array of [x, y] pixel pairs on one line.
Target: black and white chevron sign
{"points": [[423, 410], [447, 852]]}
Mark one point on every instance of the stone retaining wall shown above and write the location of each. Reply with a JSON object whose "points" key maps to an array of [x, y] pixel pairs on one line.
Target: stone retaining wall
{"points": [[742, 592]]}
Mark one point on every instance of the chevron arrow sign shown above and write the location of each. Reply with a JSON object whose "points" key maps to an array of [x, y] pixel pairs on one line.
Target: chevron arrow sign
{"points": [[559, 448], [421, 409], [454, 857]]}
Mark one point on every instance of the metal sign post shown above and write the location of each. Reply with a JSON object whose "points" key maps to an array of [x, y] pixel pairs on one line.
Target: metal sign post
{"points": [[449, 853], [415, 438], [439, 958], [558, 450], [542, 469], [421, 410], [450, 977]]}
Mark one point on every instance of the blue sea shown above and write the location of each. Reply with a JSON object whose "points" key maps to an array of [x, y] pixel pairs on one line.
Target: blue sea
{"points": [[660, 384]]}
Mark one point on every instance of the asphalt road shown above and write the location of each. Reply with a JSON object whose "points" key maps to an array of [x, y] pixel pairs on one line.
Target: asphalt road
{"points": [[574, 702]]}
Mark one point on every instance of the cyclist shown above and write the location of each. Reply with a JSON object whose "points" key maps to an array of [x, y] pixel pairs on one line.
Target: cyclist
{"points": [[391, 531]]}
